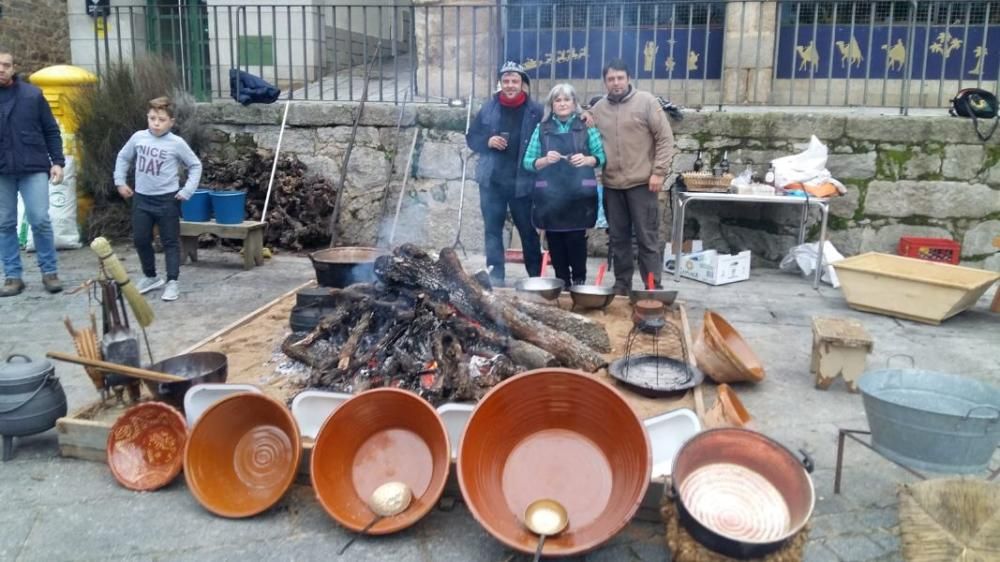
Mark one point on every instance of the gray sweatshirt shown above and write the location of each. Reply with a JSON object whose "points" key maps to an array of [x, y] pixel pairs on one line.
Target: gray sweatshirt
{"points": [[156, 161]]}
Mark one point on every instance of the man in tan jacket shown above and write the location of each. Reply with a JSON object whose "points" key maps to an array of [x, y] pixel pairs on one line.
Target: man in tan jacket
{"points": [[639, 146]]}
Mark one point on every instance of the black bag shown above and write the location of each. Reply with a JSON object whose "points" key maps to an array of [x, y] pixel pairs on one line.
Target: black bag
{"points": [[247, 88], [976, 104]]}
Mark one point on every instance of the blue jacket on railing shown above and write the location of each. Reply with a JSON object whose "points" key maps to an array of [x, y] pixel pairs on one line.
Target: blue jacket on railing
{"points": [[30, 140], [487, 124], [251, 89]]}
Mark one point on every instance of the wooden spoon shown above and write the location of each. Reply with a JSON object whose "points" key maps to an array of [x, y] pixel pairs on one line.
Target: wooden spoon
{"points": [[115, 368]]}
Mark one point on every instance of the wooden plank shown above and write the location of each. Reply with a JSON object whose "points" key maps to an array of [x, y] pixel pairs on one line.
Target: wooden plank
{"points": [[234, 231]]}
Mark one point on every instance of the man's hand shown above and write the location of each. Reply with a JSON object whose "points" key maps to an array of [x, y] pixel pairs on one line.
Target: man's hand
{"points": [[55, 174], [588, 119], [497, 142], [655, 183], [125, 191]]}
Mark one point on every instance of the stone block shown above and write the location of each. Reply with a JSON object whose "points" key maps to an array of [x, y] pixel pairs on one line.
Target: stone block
{"points": [[992, 263], [886, 128], [367, 168], [322, 166], [685, 142], [366, 136], [978, 240], [442, 117], [853, 166], [939, 199], [921, 164], [785, 126], [255, 114], [962, 161], [295, 140], [845, 205], [886, 239], [683, 162], [848, 242], [439, 161]]}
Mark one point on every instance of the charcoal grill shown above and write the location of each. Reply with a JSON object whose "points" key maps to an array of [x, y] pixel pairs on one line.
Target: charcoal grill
{"points": [[653, 374]]}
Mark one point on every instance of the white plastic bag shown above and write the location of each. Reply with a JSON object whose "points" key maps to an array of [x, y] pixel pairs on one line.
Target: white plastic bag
{"points": [[808, 166], [803, 258], [62, 213]]}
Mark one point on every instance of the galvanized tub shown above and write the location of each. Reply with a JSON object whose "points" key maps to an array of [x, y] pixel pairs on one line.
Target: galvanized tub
{"points": [[932, 421]]}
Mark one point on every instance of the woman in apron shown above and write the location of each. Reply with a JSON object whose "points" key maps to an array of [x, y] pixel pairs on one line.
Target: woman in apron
{"points": [[564, 152]]}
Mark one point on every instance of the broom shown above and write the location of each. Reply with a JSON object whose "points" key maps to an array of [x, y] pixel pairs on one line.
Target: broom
{"points": [[143, 313]]}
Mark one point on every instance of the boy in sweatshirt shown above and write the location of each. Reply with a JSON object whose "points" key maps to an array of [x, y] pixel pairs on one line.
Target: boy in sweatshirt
{"points": [[156, 197]]}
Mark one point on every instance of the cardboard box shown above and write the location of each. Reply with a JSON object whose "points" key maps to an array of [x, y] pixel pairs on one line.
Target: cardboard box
{"points": [[688, 247], [716, 269]]}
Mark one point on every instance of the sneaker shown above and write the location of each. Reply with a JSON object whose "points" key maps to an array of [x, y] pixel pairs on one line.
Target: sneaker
{"points": [[621, 291], [147, 284], [12, 286], [171, 291], [51, 283]]}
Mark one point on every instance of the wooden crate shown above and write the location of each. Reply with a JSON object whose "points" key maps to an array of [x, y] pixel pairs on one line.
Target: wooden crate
{"points": [[910, 288]]}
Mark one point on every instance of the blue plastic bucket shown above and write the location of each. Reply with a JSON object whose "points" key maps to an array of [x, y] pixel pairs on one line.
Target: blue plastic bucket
{"points": [[198, 208], [229, 206]]}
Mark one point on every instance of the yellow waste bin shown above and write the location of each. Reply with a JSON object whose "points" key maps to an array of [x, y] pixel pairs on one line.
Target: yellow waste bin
{"points": [[59, 84]]}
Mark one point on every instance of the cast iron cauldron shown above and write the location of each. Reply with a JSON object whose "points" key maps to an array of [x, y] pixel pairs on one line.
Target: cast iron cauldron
{"points": [[198, 368], [340, 267], [31, 399], [740, 493]]}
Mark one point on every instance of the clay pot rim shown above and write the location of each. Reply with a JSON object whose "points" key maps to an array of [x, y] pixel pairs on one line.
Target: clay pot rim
{"points": [[578, 548], [729, 396], [435, 489], [717, 342], [296, 439], [178, 462]]}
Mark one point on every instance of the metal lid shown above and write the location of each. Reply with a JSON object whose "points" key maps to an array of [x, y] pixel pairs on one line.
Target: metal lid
{"points": [[19, 369]]}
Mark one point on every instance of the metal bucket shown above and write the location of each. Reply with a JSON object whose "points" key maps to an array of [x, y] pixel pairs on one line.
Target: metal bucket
{"points": [[932, 421]]}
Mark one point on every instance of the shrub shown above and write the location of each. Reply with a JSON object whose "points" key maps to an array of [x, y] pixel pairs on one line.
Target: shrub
{"points": [[109, 113]]}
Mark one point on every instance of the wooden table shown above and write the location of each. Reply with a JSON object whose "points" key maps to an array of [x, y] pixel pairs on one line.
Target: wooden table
{"points": [[251, 232]]}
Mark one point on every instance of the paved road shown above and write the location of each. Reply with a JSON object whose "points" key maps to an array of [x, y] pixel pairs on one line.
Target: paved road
{"points": [[66, 509]]}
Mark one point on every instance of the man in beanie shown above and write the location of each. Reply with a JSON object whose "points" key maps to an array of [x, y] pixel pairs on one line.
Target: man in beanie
{"points": [[500, 134]]}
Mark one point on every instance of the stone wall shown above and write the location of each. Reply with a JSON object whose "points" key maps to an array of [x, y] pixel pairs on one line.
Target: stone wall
{"points": [[37, 32], [922, 176]]}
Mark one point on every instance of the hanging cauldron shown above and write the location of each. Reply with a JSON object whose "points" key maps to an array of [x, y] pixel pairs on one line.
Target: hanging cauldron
{"points": [[31, 399]]}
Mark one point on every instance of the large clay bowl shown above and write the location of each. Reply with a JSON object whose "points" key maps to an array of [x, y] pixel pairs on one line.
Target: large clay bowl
{"points": [[242, 455], [558, 434], [723, 353], [145, 447], [379, 436]]}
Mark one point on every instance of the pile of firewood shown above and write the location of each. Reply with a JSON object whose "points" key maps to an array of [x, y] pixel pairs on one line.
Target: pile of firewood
{"points": [[298, 214], [427, 326]]}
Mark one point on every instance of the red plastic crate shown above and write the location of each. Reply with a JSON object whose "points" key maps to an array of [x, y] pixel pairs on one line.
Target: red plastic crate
{"points": [[930, 249]]}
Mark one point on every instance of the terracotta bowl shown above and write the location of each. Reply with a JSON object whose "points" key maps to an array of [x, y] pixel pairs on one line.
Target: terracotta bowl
{"points": [[380, 436], [242, 455], [146, 446], [558, 434], [723, 354]]}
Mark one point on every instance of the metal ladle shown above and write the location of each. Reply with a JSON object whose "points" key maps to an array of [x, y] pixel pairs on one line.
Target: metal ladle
{"points": [[389, 499], [545, 518]]}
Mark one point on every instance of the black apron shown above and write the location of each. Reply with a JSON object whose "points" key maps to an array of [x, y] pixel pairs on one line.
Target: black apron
{"points": [[565, 197]]}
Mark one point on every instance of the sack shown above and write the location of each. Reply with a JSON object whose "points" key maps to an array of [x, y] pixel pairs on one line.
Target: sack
{"points": [[62, 213], [803, 258], [976, 104]]}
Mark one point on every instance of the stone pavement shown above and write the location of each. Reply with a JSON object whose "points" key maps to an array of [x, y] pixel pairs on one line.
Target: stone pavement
{"points": [[67, 509]]}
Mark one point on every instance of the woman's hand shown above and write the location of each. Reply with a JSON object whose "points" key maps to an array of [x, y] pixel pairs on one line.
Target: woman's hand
{"points": [[579, 160]]}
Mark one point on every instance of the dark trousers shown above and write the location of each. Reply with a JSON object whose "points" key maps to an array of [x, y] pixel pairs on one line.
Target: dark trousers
{"points": [[568, 252], [634, 209], [164, 212], [494, 201]]}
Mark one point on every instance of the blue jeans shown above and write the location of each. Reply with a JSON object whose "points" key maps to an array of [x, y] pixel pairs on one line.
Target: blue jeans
{"points": [[34, 189], [494, 201]]}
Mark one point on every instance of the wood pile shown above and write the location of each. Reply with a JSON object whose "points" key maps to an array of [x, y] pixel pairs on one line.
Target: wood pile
{"points": [[427, 326], [298, 214]]}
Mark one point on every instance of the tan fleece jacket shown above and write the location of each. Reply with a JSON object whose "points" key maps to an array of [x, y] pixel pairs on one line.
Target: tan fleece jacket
{"points": [[637, 139]]}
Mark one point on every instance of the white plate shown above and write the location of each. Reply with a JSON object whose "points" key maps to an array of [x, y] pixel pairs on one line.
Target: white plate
{"points": [[199, 397], [310, 408], [667, 433], [455, 416]]}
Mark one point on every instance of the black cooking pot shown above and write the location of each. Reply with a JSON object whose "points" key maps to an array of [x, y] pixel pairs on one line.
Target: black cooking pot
{"points": [[340, 267], [31, 399], [767, 492], [197, 368]]}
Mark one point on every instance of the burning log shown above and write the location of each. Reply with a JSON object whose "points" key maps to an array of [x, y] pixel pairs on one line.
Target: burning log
{"points": [[428, 327], [580, 327]]}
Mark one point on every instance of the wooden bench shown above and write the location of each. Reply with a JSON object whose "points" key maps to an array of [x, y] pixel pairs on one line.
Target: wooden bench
{"points": [[251, 233], [995, 307]]}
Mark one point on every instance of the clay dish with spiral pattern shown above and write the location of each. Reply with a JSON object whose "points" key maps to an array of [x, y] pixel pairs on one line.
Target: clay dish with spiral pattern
{"points": [[556, 434], [242, 455], [145, 447], [380, 436]]}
